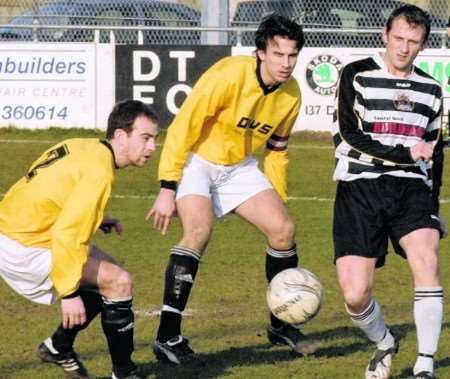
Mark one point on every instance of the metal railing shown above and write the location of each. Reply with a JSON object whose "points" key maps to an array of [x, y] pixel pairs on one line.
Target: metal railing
{"points": [[236, 33]]}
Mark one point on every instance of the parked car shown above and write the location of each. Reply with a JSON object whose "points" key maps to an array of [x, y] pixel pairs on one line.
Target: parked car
{"points": [[107, 13], [331, 14]]}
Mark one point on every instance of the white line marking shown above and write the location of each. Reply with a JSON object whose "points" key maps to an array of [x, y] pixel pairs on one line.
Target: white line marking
{"points": [[295, 198], [45, 142], [138, 197], [292, 198], [118, 196]]}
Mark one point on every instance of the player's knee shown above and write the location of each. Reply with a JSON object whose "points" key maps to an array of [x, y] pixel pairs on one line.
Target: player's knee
{"points": [[426, 270], [289, 230], [356, 299], [122, 284], [282, 235], [196, 238], [430, 264]]}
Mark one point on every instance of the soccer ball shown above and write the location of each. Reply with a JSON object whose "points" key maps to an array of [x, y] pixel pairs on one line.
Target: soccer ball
{"points": [[295, 295]]}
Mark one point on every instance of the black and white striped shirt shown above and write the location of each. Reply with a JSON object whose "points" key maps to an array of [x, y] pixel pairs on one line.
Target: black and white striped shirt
{"points": [[378, 117]]}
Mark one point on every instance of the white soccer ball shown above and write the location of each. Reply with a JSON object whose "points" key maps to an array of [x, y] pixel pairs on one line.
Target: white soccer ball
{"points": [[295, 295]]}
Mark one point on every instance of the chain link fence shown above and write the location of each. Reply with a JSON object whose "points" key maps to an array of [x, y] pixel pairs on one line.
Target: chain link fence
{"points": [[344, 23]]}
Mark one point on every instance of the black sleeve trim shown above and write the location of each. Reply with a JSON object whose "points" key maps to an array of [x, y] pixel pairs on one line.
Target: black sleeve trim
{"points": [[169, 184], [279, 138]]}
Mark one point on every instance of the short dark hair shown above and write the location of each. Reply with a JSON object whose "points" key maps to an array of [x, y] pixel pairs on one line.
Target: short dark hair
{"points": [[275, 24], [413, 15], [124, 115]]}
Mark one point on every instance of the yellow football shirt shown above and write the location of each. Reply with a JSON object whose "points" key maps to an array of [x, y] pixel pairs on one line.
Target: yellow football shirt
{"points": [[229, 115], [59, 204]]}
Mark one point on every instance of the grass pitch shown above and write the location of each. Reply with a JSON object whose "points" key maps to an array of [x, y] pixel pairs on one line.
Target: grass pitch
{"points": [[227, 314]]}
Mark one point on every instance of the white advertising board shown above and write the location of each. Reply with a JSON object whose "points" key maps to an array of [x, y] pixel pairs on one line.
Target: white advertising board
{"points": [[317, 72], [74, 85], [45, 85]]}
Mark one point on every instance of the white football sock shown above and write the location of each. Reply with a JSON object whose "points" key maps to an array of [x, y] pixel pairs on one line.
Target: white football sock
{"points": [[428, 308], [371, 322]]}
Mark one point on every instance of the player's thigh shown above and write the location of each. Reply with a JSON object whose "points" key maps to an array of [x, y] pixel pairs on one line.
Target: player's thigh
{"points": [[421, 247], [358, 222], [196, 216], [267, 212], [415, 228]]}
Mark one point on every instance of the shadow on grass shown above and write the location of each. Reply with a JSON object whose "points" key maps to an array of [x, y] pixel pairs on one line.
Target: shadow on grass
{"points": [[408, 373], [219, 363]]}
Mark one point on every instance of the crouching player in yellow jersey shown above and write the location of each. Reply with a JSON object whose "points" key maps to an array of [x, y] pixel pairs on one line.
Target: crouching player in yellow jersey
{"points": [[207, 168], [46, 221]]}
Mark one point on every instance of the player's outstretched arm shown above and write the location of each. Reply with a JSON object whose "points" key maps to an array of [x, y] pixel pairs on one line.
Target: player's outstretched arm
{"points": [[73, 312], [163, 210]]}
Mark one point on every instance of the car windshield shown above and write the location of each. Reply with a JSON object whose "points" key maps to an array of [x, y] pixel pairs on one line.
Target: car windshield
{"points": [[48, 14], [24, 19], [249, 13]]}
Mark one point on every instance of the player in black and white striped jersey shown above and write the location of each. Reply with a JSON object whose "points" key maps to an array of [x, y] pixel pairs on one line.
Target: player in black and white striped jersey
{"points": [[389, 161]]}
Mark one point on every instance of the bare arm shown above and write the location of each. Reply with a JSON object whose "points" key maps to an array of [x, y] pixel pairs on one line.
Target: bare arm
{"points": [[163, 210]]}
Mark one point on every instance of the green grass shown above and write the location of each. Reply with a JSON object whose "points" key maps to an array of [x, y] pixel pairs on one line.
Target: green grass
{"points": [[227, 309]]}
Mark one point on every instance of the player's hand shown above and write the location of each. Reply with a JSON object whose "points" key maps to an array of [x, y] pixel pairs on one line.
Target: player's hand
{"points": [[422, 150], [73, 312], [108, 224], [163, 210]]}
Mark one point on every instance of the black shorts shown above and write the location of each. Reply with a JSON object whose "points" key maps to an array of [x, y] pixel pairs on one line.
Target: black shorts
{"points": [[367, 212]]}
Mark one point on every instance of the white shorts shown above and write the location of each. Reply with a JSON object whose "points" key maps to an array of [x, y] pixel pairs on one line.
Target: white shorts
{"points": [[26, 270], [226, 186]]}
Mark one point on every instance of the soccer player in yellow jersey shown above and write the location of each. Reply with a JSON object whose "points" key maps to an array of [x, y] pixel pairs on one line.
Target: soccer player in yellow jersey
{"points": [[46, 221], [207, 168]]}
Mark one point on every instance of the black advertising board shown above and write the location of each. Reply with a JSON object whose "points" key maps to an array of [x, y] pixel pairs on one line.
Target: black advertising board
{"points": [[162, 75]]}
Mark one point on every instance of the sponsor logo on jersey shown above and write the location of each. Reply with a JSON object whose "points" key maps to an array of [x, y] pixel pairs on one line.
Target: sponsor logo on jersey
{"points": [[402, 102], [322, 74], [249, 123], [403, 85], [398, 129]]}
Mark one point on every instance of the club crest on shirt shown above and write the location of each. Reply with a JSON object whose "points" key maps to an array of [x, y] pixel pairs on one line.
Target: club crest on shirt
{"points": [[402, 102]]}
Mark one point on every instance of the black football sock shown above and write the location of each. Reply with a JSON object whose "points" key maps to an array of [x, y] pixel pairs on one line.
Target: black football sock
{"points": [[118, 326], [63, 339], [180, 275], [277, 261]]}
